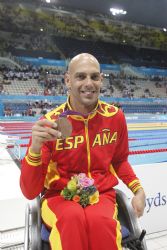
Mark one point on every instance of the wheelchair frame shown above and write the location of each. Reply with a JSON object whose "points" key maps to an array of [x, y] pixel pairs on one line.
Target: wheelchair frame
{"points": [[126, 215]]}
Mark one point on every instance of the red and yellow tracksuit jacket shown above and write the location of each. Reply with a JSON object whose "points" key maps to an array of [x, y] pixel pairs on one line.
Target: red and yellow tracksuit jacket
{"points": [[98, 146]]}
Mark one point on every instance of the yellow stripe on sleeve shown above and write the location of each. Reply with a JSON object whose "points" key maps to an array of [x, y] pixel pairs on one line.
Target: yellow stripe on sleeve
{"points": [[137, 188], [33, 162], [134, 185], [33, 159], [33, 154]]}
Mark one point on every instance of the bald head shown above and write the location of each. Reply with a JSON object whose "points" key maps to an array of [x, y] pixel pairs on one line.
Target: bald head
{"points": [[83, 81], [83, 58]]}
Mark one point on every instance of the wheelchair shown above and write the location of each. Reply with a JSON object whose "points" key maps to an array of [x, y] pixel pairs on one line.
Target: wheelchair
{"points": [[36, 234]]}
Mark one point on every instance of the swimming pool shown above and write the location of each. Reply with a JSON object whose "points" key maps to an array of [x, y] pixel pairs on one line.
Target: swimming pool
{"points": [[147, 137]]}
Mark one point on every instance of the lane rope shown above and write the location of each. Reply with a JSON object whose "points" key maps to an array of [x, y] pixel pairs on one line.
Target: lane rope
{"points": [[133, 152]]}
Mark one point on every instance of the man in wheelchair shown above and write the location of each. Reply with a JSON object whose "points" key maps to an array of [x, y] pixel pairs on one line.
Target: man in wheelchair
{"points": [[77, 152]]}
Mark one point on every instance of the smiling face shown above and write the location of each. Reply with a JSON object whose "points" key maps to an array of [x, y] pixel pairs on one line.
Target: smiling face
{"points": [[84, 81]]}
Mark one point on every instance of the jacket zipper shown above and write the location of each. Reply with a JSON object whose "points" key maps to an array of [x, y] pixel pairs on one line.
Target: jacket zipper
{"points": [[88, 147]]}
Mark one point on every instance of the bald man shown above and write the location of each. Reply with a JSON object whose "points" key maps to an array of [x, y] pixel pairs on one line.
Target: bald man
{"points": [[97, 145]]}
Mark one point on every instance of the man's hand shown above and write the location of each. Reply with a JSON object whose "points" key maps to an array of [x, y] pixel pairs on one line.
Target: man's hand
{"points": [[42, 131], [138, 202]]}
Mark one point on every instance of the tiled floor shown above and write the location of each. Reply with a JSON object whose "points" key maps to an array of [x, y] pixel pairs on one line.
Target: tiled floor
{"points": [[157, 241]]}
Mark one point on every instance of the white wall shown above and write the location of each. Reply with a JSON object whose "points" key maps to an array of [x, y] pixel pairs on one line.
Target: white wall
{"points": [[12, 202], [154, 180]]}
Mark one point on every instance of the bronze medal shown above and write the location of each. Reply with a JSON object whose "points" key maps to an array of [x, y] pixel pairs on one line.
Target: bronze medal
{"points": [[64, 126]]}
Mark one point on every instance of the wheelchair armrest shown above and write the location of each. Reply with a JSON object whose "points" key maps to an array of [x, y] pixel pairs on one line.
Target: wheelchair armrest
{"points": [[33, 221], [125, 205], [26, 230], [127, 215]]}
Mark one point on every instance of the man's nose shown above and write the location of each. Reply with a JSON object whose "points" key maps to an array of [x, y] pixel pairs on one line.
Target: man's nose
{"points": [[88, 80]]}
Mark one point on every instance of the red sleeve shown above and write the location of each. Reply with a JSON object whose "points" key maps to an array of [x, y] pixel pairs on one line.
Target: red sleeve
{"points": [[33, 171], [120, 162]]}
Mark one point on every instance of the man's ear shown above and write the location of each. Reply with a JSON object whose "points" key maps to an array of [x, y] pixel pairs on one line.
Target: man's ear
{"points": [[67, 80], [101, 77]]}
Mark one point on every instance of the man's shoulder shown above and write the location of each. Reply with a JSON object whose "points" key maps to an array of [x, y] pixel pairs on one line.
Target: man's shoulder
{"points": [[107, 109], [53, 114]]}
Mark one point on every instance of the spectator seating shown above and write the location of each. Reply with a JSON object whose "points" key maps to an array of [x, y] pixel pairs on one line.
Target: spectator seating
{"points": [[18, 87]]}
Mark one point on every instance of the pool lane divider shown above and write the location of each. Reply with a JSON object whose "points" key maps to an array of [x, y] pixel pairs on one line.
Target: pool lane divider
{"points": [[133, 152], [147, 151]]}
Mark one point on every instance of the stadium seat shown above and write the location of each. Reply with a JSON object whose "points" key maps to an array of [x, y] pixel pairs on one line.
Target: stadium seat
{"points": [[36, 234]]}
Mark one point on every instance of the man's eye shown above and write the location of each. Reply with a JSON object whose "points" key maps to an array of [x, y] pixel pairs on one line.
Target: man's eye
{"points": [[81, 77], [95, 77]]}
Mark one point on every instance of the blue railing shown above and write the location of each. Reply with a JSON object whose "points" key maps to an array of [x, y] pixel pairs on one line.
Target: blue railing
{"points": [[61, 99], [115, 67]]}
